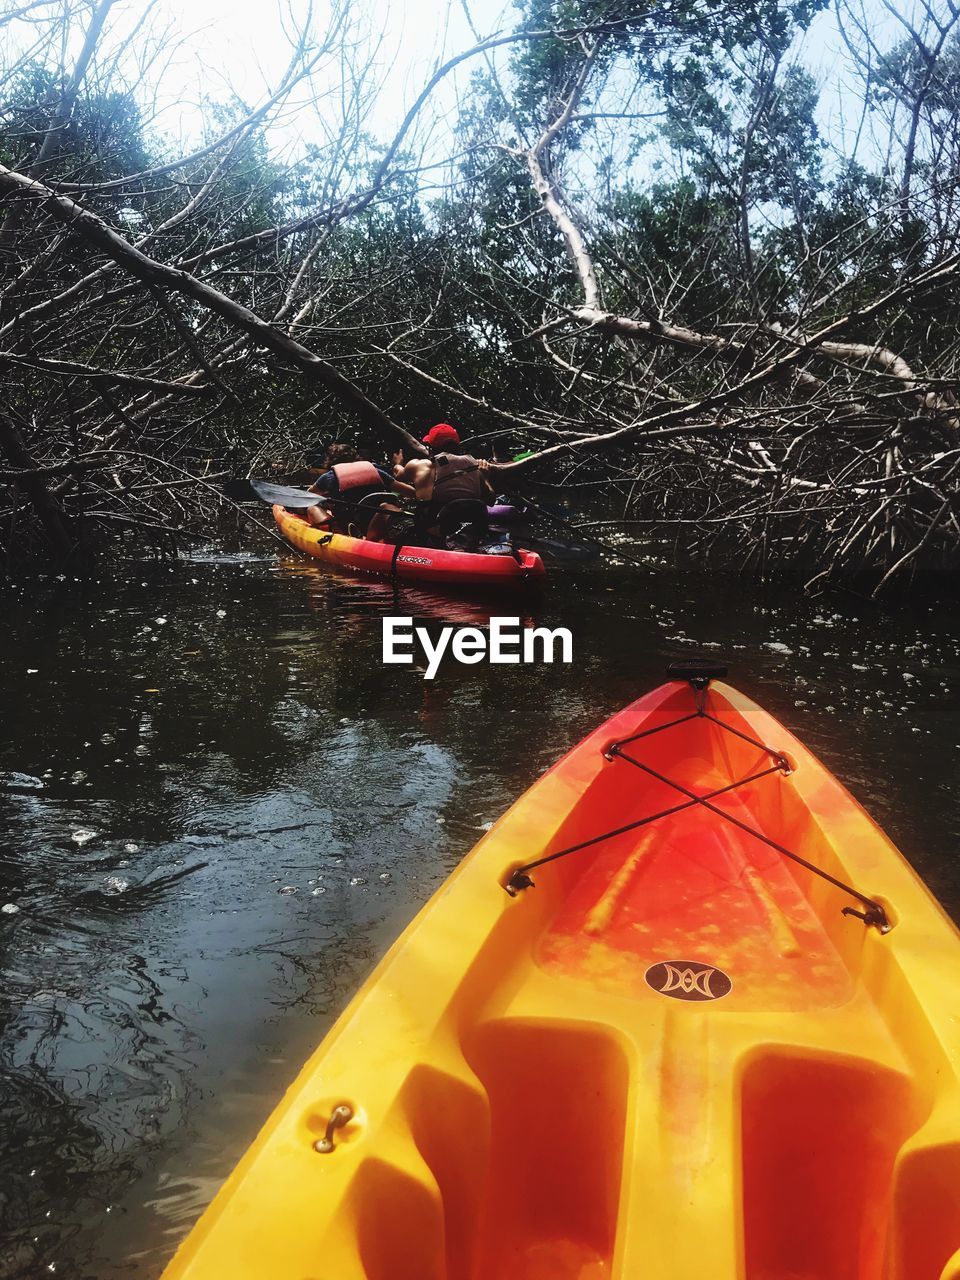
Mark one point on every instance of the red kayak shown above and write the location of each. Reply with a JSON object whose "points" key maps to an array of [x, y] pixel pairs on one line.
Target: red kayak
{"points": [[427, 564]]}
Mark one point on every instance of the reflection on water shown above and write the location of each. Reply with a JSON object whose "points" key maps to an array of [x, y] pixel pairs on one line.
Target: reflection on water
{"points": [[217, 808]]}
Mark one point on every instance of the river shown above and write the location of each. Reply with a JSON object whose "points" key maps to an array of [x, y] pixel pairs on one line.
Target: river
{"points": [[218, 807]]}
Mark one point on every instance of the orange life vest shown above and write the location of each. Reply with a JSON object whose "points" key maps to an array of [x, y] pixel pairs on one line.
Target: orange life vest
{"points": [[357, 475]]}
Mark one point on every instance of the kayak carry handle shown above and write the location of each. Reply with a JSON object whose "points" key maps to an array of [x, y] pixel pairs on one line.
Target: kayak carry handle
{"points": [[697, 671], [339, 1116]]}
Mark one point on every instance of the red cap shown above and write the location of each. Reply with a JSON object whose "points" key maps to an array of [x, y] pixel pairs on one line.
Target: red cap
{"points": [[442, 433]]}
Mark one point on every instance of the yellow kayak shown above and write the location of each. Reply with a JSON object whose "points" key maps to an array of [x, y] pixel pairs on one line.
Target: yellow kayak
{"points": [[683, 1014]]}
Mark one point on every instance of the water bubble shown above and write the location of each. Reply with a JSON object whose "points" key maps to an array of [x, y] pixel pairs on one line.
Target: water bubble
{"points": [[316, 892], [161, 622], [107, 737], [114, 885], [385, 877], [82, 835], [358, 880], [221, 613], [77, 778], [32, 671], [130, 847], [441, 821], [9, 908], [141, 749], [288, 889]]}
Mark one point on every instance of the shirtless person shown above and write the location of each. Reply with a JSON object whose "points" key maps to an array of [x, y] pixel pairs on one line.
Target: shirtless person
{"points": [[448, 475]]}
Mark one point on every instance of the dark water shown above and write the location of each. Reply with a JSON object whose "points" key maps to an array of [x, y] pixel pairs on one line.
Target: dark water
{"points": [[217, 808]]}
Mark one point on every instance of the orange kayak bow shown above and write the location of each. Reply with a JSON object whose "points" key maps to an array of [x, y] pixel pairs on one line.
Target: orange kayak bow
{"points": [[718, 1040]]}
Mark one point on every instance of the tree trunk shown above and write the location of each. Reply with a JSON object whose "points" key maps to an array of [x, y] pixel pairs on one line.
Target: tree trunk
{"points": [[48, 509]]}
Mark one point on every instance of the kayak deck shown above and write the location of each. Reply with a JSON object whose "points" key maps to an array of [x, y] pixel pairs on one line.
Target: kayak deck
{"points": [[673, 1058], [693, 888], [418, 564]]}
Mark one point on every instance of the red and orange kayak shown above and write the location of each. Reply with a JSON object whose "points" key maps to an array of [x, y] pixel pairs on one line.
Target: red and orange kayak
{"points": [[720, 1038], [422, 564]]}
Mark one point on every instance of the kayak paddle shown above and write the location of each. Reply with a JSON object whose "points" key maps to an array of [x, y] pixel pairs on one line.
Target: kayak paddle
{"points": [[285, 495]]}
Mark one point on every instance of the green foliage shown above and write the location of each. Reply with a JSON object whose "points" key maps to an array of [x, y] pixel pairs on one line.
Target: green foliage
{"points": [[648, 36], [673, 230], [907, 71], [103, 139]]}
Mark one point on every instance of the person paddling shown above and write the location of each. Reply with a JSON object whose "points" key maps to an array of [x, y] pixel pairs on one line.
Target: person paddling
{"points": [[346, 481], [448, 476]]}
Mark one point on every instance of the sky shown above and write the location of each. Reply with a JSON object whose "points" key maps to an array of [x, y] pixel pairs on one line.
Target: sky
{"points": [[241, 45], [210, 48]]}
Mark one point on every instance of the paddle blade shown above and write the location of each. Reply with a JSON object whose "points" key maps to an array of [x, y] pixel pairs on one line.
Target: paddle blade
{"points": [[283, 494], [559, 549]]}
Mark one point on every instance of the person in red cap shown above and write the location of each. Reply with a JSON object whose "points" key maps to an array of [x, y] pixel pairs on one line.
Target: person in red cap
{"points": [[446, 477], [442, 436]]}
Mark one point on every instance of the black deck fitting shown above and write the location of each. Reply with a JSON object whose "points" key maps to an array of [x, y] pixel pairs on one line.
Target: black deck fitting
{"points": [[518, 882], [699, 671]]}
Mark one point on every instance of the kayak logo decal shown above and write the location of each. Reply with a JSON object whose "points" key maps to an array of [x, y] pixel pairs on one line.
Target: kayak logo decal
{"points": [[688, 980], [414, 560]]}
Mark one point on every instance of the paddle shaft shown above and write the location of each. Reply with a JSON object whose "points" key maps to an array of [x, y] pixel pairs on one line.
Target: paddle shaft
{"points": [[561, 520]]}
